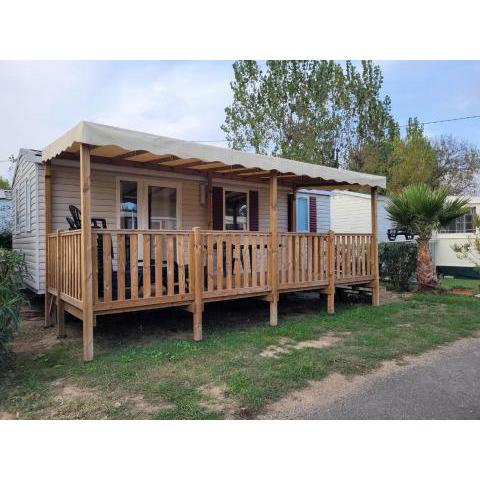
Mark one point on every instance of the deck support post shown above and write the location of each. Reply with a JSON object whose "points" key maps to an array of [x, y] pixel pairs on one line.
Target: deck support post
{"points": [[273, 263], [48, 226], [59, 281], [375, 284], [197, 283], [331, 272], [86, 252]]}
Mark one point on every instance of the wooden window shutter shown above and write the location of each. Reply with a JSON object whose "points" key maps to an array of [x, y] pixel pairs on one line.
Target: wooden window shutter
{"points": [[312, 204], [253, 213], [290, 207], [217, 208]]}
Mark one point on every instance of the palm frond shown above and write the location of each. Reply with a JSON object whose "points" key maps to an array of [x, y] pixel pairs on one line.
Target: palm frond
{"points": [[422, 209]]}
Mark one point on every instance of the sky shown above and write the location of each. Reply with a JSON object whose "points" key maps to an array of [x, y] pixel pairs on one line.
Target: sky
{"points": [[39, 101]]}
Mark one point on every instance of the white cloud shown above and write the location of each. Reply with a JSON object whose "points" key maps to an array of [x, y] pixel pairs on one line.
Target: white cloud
{"points": [[41, 100]]}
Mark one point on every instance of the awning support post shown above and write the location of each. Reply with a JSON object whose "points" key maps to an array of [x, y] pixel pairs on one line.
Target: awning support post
{"points": [[375, 284], [273, 263], [86, 251]]}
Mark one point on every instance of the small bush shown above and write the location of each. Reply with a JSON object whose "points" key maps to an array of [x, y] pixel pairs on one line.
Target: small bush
{"points": [[398, 263], [5, 239], [13, 272]]}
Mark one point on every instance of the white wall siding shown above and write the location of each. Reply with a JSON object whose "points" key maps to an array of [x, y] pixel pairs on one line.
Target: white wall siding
{"points": [[323, 213], [352, 214], [23, 240]]}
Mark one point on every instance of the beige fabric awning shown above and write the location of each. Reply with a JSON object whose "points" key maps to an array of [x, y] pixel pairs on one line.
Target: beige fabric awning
{"points": [[118, 144]]}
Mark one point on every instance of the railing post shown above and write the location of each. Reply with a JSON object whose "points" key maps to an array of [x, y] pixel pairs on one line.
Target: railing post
{"points": [[59, 282], [197, 283], [375, 284], [331, 272]]}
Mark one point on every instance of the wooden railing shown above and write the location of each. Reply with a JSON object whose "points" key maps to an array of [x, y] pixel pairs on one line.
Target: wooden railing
{"points": [[302, 259], [234, 262], [63, 265], [352, 256], [141, 267], [132, 268]]}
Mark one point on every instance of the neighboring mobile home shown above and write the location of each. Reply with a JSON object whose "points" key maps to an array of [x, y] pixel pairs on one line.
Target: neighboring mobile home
{"points": [[460, 231], [340, 211], [5, 210], [175, 223]]}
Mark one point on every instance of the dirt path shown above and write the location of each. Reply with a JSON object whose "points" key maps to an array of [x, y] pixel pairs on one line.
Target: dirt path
{"points": [[440, 384]]}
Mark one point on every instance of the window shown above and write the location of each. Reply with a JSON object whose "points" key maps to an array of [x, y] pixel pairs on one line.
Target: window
{"points": [[162, 208], [236, 210], [302, 214], [17, 210], [128, 204], [28, 206], [464, 224]]}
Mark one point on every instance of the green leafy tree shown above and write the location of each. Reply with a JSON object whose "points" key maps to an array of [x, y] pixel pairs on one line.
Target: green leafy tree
{"points": [[422, 209], [457, 164], [469, 250], [412, 160], [4, 183], [13, 273], [314, 111]]}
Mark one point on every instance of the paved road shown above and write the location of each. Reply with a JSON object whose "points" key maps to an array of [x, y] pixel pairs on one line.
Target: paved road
{"points": [[442, 384]]}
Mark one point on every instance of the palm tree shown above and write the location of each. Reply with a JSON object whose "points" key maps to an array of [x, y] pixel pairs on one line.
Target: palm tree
{"points": [[423, 210]]}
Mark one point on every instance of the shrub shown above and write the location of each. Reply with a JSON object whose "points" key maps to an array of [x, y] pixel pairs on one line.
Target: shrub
{"points": [[397, 263], [13, 272], [5, 239]]}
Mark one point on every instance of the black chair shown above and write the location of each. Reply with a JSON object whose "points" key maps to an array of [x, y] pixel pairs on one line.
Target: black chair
{"points": [[71, 223], [393, 233], [76, 216]]}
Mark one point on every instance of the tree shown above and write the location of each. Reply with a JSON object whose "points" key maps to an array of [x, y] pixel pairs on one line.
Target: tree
{"points": [[4, 183], [411, 160], [314, 111], [457, 164], [422, 209], [470, 249]]}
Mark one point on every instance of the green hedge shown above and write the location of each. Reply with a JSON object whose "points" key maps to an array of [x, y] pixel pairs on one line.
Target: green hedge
{"points": [[5, 239], [13, 272], [398, 263]]}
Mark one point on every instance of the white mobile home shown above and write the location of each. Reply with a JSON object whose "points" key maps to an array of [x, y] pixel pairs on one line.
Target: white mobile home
{"points": [[28, 214], [460, 231], [339, 210]]}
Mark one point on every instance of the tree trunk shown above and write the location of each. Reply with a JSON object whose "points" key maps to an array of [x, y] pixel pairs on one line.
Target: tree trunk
{"points": [[426, 274]]}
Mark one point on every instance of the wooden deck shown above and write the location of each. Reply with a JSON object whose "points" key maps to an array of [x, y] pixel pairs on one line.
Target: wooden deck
{"points": [[146, 269], [94, 272]]}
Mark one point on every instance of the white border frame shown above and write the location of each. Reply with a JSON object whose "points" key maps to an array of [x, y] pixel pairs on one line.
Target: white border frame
{"points": [[306, 197], [142, 192], [240, 190]]}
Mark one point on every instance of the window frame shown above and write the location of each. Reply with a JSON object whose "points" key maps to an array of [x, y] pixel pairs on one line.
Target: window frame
{"points": [[447, 230], [28, 206], [237, 190], [17, 221], [142, 198]]}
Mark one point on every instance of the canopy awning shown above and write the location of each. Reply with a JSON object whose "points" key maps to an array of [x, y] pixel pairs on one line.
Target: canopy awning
{"points": [[128, 147]]}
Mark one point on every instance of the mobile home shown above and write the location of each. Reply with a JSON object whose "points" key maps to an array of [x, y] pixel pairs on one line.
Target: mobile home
{"points": [[117, 220]]}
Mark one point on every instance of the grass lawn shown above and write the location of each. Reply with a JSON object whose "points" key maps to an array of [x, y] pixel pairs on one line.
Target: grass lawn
{"points": [[460, 282], [147, 367]]}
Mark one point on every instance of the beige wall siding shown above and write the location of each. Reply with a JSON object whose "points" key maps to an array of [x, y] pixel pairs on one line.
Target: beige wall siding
{"points": [[24, 239], [66, 191]]}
